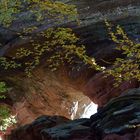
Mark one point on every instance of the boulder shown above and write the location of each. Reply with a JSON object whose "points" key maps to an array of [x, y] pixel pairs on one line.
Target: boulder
{"points": [[32, 131], [120, 114]]}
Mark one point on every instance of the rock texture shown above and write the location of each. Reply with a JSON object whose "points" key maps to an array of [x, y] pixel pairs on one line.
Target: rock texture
{"points": [[92, 14], [48, 94], [117, 120], [32, 131], [44, 94], [100, 89], [56, 95], [119, 114]]}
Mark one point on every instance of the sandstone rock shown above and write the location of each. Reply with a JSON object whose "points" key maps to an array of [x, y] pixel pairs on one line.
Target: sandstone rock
{"points": [[44, 94], [47, 94], [100, 89], [92, 29], [39, 129], [117, 120], [137, 134]]}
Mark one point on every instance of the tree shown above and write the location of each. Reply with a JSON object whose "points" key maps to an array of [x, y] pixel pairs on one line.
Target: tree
{"points": [[37, 10], [128, 67], [60, 44], [57, 45]]}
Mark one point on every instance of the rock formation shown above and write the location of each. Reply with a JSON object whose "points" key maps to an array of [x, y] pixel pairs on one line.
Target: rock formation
{"points": [[92, 32], [44, 94], [100, 89], [119, 119], [57, 93]]}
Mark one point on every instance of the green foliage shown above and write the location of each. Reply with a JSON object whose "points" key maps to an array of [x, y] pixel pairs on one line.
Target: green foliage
{"points": [[124, 69], [7, 10], [35, 8], [4, 112], [8, 64], [57, 45], [3, 89], [6, 119]]}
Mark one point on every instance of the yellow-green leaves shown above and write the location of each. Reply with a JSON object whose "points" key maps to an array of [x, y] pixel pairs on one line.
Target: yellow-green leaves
{"points": [[39, 9], [48, 44], [8, 8], [124, 69], [6, 119], [8, 64], [57, 46], [3, 89]]}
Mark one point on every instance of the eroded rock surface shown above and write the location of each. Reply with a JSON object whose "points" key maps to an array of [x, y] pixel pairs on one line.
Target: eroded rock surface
{"points": [[100, 89], [45, 94], [117, 120]]}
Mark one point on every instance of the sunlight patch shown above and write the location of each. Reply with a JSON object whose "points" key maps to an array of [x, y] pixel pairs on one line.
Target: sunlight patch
{"points": [[89, 110]]}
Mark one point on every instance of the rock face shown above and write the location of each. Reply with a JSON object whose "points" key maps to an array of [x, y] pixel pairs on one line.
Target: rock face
{"points": [[92, 14], [117, 120], [48, 94], [100, 89], [119, 114], [44, 94], [32, 131]]}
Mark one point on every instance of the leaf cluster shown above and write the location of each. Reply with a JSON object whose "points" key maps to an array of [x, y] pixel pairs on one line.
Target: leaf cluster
{"points": [[11, 10], [127, 68]]}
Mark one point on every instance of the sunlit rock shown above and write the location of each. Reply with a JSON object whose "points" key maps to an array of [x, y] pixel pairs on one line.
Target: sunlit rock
{"points": [[89, 110]]}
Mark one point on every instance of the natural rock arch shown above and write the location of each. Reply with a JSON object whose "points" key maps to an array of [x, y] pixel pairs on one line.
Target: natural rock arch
{"points": [[93, 35]]}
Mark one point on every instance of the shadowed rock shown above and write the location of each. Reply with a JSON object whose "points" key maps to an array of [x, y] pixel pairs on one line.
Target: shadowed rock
{"points": [[120, 114]]}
